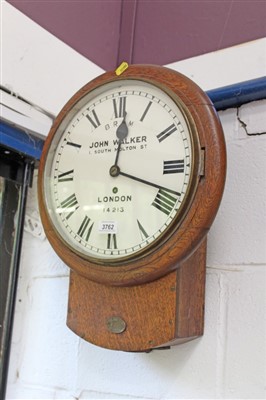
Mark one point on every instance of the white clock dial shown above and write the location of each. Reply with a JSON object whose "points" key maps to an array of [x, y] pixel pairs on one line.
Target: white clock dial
{"points": [[119, 170]]}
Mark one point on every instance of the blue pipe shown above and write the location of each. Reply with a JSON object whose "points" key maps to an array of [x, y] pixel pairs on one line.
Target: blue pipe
{"points": [[226, 97]]}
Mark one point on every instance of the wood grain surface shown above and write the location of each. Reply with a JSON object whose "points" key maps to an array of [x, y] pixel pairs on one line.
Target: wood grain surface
{"points": [[161, 313], [189, 233], [154, 299]]}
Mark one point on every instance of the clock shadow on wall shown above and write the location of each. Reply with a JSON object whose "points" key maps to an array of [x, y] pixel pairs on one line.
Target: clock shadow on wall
{"points": [[138, 268]]}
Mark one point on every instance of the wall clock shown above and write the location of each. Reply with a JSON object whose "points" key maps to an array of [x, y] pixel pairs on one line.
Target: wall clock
{"points": [[130, 180]]}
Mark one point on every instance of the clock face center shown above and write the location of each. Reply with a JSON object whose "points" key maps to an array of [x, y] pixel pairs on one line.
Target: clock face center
{"points": [[114, 171]]}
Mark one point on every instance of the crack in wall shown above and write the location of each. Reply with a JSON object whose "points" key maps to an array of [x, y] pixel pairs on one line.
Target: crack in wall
{"points": [[244, 126]]}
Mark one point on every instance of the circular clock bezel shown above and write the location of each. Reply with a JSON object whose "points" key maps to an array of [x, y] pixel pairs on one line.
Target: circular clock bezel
{"points": [[191, 187], [180, 238]]}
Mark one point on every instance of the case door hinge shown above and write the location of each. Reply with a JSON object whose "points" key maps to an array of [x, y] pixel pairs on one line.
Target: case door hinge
{"points": [[202, 162]]}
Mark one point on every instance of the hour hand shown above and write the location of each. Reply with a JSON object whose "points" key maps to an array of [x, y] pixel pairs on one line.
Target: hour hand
{"points": [[121, 133], [122, 130]]}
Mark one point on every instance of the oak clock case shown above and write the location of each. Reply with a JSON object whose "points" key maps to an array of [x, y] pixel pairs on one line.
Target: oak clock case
{"points": [[130, 180]]}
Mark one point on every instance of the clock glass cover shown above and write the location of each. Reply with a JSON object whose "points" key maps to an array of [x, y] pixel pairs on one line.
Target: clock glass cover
{"points": [[120, 172]]}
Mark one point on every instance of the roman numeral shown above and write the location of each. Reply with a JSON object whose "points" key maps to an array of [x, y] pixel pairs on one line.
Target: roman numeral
{"points": [[111, 241], [85, 229], [66, 176], [74, 144], [173, 166], [94, 120], [119, 107], [145, 111], [167, 132], [69, 201], [142, 231], [164, 201], [69, 204]]}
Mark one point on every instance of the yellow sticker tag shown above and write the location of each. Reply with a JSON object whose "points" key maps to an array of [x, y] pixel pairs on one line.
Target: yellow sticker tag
{"points": [[122, 67]]}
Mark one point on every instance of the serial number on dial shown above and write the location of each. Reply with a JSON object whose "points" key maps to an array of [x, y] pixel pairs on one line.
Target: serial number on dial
{"points": [[113, 209]]}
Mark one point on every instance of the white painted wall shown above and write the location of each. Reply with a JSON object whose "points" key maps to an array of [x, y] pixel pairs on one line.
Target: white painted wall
{"points": [[36, 65], [48, 361]]}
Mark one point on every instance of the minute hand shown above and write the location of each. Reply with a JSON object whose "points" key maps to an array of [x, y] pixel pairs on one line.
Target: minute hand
{"points": [[148, 183]]}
